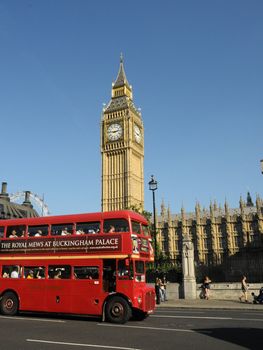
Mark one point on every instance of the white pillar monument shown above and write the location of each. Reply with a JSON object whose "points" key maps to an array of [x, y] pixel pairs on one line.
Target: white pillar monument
{"points": [[189, 281]]}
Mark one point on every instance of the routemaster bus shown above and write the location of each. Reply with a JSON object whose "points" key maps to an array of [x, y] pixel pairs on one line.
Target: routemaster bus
{"points": [[89, 264]]}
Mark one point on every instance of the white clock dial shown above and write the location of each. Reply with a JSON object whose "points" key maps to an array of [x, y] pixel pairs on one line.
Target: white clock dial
{"points": [[114, 132], [137, 134]]}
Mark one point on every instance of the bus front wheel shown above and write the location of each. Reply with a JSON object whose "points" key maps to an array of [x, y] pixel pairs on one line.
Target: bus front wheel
{"points": [[118, 310], [9, 304]]}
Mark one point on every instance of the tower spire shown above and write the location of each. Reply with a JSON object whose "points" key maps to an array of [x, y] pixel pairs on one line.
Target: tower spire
{"points": [[121, 87], [121, 79]]}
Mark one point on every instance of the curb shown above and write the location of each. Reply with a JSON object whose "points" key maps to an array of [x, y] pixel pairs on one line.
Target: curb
{"points": [[211, 304]]}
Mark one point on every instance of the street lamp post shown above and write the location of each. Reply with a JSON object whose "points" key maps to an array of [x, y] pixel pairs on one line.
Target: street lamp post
{"points": [[153, 187], [261, 162]]}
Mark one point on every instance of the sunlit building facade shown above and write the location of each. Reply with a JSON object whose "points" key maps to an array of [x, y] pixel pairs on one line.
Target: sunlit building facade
{"points": [[217, 233]]}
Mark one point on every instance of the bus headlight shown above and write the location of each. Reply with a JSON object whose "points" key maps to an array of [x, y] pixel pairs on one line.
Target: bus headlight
{"points": [[139, 300]]}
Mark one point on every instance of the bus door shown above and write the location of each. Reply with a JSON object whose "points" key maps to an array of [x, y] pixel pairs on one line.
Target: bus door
{"points": [[58, 288], [125, 276], [109, 275], [86, 292]]}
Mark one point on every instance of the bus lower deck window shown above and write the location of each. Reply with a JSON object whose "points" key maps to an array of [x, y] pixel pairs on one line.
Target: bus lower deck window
{"points": [[86, 272], [59, 272]]}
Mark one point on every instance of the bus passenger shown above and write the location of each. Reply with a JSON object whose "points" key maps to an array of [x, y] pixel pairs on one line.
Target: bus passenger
{"points": [[5, 274], [13, 234], [65, 232], [30, 275], [40, 273], [14, 273], [57, 275], [112, 229], [38, 234], [80, 232]]}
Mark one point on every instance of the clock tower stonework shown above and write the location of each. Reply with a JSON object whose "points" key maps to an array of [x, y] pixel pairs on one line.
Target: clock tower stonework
{"points": [[122, 149]]}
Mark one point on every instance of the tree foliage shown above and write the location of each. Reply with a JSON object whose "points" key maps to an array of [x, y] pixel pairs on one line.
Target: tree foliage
{"points": [[145, 213], [163, 265]]}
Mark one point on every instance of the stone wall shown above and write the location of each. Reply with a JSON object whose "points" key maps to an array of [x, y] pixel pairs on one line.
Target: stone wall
{"points": [[219, 291], [230, 291]]}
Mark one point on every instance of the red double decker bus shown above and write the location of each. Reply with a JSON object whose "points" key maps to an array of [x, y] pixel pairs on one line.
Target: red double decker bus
{"points": [[92, 264]]}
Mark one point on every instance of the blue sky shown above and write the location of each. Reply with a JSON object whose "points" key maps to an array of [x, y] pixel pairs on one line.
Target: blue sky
{"points": [[197, 74]]}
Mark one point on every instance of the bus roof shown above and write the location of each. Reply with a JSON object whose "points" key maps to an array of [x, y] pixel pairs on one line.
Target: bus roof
{"points": [[76, 217]]}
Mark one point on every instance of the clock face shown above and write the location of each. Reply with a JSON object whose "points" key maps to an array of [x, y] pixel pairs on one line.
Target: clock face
{"points": [[137, 134], [114, 132]]}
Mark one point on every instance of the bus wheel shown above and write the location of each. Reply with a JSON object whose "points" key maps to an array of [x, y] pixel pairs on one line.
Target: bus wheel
{"points": [[139, 315], [117, 310], [9, 304]]}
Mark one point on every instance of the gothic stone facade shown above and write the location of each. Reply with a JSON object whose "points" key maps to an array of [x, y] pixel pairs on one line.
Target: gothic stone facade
{"points": [[216, 233]]}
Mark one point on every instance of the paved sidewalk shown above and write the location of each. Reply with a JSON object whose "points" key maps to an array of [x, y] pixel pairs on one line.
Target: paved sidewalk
{"points": [[211, 304]]}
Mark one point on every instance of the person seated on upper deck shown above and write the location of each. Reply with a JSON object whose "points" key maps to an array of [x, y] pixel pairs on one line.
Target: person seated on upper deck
{"points": [[38, 234], [13, 234], [91, 231], [112, 229], [80, 232], [65, 232]]}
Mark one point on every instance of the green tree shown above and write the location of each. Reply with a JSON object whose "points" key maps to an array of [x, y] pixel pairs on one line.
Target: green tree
{"points": [[145, 213], [163, 264]]}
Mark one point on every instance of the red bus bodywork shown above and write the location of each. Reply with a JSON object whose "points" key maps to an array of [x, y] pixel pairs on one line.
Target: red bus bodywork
{"points": [[117, 260]]}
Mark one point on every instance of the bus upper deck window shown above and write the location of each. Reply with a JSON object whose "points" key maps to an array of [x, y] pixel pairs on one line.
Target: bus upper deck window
{"points": [[145, 230], [136, 227], [62, 230], [83, 228], [16, 231], [37, 231], [115, 225], [2, 229]]}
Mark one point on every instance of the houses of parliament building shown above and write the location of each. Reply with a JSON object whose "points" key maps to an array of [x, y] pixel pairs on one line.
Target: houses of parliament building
{"points": [[216, 233]]}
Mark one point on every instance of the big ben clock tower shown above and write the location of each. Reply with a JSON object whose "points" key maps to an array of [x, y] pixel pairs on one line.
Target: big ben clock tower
{"points": [[122, 149]]}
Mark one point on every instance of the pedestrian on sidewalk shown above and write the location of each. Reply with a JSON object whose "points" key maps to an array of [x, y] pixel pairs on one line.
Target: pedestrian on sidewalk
{"points": [[165, 285], [244, 289], [162, 291], [157, 290], [206, 285]]}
